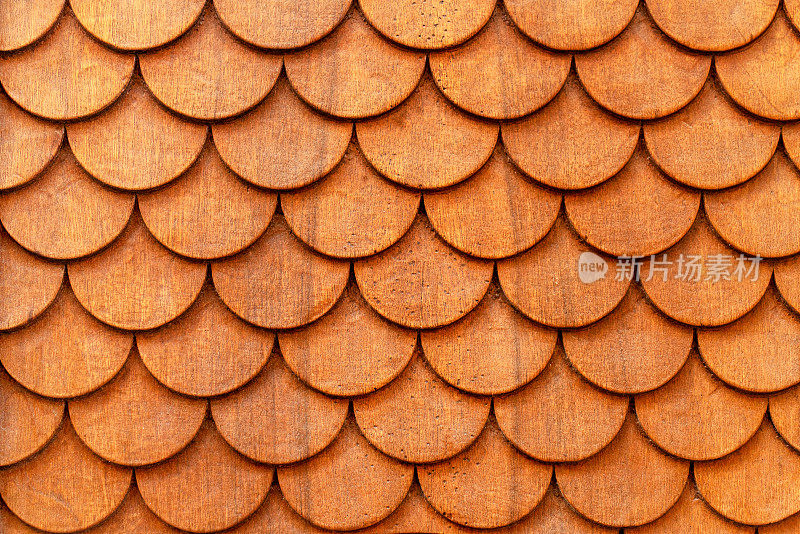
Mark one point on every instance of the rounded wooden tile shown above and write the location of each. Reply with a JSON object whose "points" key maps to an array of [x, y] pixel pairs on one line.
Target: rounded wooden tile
{"points": [[576, 25], [28, 283], [208, 74], [790, 133], [133, 517], [87, 355], [349, 351], [499, 74], [419, 418], [642, 74], [561, 282], [206, 487], [336, 489], [27, 421], [790, 525], [493, 350], [281, 23], [21, 23], [578, 143], [711, 143], [351, 212], [27, 143], [690, 283], [761, 77], [495, 213], [757, 484], [427, 142], [134, 25], [82, 217], [784, 409], [755, 352], [421, 282], [629, 483], [278, 282], [650, 212], [277, 419], [207, 350], [282, 143], [559, 417], [787, 272], [697, 417], [136, 283], [67, 75], [372, 74], [64, 488], [633, 349], [554, 514], [761, 216], [136, 144], [489, 485]]}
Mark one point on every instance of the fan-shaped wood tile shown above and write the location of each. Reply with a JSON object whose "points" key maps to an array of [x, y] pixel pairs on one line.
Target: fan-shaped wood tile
{"points": [[760, 217], [792, 8], [133, 517], [27, 421], [206, 351], [21, 23], [495, 213], [336, 488], [757, 484], [208, 486], [642, 74], [629, 483], [278, 282], [690, 284], [764, 78], [755, 353], [282, 143], [790, 133], [633, 349], [713, 26], [136, 283], [67, 74], [576, 25], [697, 417], [494, 349], [489, 485], [552, 515], [208, 74], [82, 215], [136, 25], [351, 350], [578, 143], [651, 212], [421, 282], [27, 143], [136, 144], [64, 488], [559, 417], [351, 212], [277, 419], [134, 420], [372, 74], [87, 355], [784, 409], [419, 418], [787, 526], [499, 74], [427, 142], [787, 272], [547, 282]]}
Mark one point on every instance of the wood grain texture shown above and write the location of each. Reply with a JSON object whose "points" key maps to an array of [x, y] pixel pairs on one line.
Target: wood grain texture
{"points": [[792, 8], [419, 418], [559, 417], [282, 143], [372, 74], [349, 351], [642, 74], [790, 134], [787, 272], [495, 213], [554, 514], [784, 410], [499, 74], [132, 517], [207, 74], [136, 143], [24, 21], [577, 143], [427, 142], [352, 212], [277, 419], [787, 526]]}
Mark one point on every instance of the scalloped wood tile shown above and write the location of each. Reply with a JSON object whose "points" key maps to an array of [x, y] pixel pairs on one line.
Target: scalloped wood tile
{"points": [[22, 22]]}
